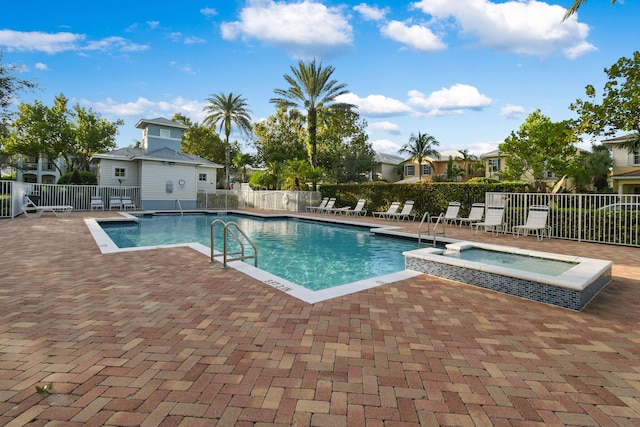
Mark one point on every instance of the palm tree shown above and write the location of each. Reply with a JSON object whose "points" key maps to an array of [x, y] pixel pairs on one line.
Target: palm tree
{"points": [[225, 111], [241, 161], [420, 148], [310, 88], [575, 6], [295, 174]]}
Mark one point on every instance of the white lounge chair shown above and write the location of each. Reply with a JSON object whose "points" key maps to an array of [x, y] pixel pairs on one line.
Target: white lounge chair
{"points": [[358, 210], [97, 203], [405, 213], [322, 204], [127, 203], [327, 207], [493, 221], [475, 215], [536, 223], [31, 210], [115, 202], [392, 210], [451, 214]]}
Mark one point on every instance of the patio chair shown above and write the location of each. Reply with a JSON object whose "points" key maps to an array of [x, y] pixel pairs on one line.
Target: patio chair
{"points": [[405, 213], [115, 202], [97, 203], [358, 210], [493, 221], [328, 206], [31, 210], [475, 215], [322, 204], [536, 223], [392, 210], [451, 214], [127, 203]]}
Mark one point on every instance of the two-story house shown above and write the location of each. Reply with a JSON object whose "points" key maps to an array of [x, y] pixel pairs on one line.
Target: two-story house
{"points": [[385, 167], [625, 175], [432, 167], [164, 174]]}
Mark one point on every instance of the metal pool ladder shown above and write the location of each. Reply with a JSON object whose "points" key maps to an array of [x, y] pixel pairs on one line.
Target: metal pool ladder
{"points": [[231, 229], [435, 227]]}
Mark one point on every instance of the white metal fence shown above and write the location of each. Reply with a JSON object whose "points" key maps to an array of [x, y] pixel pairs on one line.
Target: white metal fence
{"points": [[13, 195], [292, 201], [600, 218]]}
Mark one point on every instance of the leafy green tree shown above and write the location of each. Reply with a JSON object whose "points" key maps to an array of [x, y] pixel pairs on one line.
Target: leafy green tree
{"points": [[575, 6], [539, 146], [202, 141], [93, 134], [226, 111], [453, 172], [344, 151], [53, 132], [10, 86], [620, 107], [421, 147], [311, 88], [280, 137], [591, 170]]}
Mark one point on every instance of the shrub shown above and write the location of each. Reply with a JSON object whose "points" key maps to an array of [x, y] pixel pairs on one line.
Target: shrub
{"points": [[79, 178]]}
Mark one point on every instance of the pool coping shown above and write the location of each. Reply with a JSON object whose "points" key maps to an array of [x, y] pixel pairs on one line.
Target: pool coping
{"points": [[107, 246]]}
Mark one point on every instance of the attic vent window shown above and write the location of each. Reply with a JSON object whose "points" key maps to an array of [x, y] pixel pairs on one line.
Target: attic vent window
{"points": [[165, 133]]}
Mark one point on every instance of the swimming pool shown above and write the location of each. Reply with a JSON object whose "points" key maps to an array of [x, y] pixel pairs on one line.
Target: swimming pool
{"points": [[314, 255]]}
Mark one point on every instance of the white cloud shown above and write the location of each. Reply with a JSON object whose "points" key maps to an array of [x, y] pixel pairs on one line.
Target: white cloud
{"points": [[41, 66], [153, 24], [208, 11], [117, 43], [39, 41], [384, 127], [416, 37], [376, 105], [524, 27], [512, 111], [385, 146], [36, 41], [371, 13], [178, 37], [143, 107], [451, 100], [304, 29]]}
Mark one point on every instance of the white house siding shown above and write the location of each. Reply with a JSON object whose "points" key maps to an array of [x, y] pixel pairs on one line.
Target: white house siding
{"points": [[107, 173], [162, 185], [210, 185]]}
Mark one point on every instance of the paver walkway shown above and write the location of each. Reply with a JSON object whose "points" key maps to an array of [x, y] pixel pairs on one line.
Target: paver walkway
{"points": [[164, 338]]}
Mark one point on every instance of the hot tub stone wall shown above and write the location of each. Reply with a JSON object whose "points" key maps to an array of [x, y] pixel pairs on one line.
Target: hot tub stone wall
{"points": [[562, 297]]}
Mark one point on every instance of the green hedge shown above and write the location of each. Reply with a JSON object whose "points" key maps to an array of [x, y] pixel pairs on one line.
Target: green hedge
{"points": [[432, 197]]}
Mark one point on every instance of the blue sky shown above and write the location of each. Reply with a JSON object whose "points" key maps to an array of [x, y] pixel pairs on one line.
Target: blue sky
{"points": [[467, 72]]}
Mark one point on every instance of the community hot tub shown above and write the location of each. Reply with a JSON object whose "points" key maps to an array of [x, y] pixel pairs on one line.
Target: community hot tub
{"points": [[562, 280]]}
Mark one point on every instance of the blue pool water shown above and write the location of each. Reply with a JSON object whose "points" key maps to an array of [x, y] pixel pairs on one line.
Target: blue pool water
{"points": [[521, 262], [313, 255]]}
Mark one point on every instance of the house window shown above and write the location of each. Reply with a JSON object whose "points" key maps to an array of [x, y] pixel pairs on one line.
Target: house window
{"points": [[494, 165], [120, 172], [165, 133], [202, 177], [426, 169], [410, 170], [636, 157]]}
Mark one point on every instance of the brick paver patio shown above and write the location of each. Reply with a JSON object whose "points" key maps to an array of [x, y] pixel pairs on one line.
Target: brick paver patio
{"points": [[164, 338]]}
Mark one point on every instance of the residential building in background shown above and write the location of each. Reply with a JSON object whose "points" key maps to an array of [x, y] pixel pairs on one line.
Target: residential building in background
{"points": [[625, 175]]}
